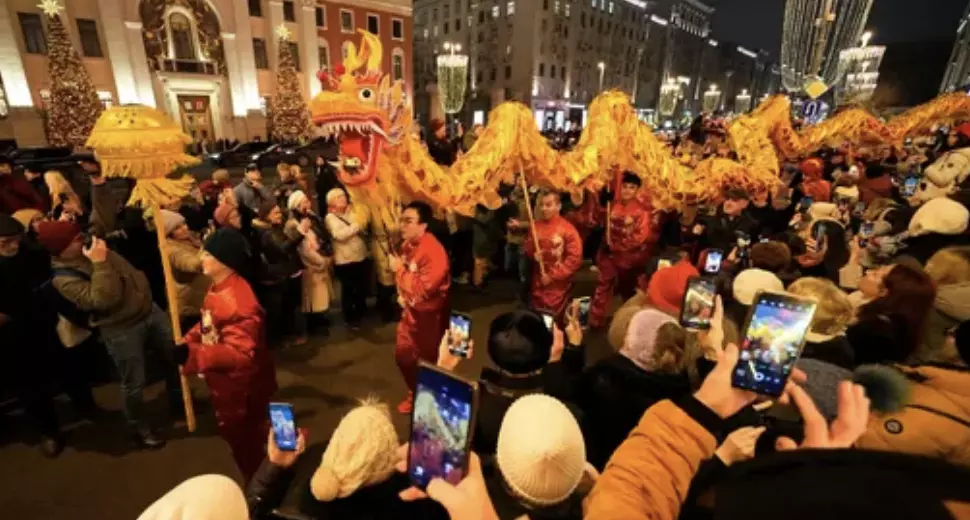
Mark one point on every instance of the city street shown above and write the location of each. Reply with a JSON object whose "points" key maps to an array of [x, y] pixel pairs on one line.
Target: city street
{"points": [[98, 477]]}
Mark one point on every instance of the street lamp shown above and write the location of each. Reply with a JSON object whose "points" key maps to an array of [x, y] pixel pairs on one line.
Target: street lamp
{"points": [[602, 67], [669, 94], [742, 103], [452, 78], [712, 98]]}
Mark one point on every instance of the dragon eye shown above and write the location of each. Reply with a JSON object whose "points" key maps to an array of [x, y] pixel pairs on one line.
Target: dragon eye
{"points": [[365, 94]]}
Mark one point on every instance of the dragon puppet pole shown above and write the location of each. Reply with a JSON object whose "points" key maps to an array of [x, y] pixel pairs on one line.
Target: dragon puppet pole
{"points": [[532, 221], [173, 313]]}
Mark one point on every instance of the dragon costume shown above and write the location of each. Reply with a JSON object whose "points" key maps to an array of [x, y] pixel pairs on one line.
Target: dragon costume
{"points": [[384, 163]]}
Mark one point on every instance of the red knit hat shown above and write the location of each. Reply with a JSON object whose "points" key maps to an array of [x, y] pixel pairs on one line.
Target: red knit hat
{"points": [[56, 235], [667, 286]]}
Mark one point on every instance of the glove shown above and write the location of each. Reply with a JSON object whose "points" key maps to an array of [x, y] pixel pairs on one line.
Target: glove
{"points": [[606, 196], [180, 354]]}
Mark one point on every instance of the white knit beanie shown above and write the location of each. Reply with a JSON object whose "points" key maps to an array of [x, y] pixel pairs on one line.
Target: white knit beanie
{"points": [[296, 198], [171, 221], [941, 215], [748, 282], [540, 451], [206, 497], [362, 452], [333, 194]]}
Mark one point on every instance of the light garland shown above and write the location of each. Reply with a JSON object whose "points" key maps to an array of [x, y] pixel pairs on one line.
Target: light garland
{"points": [[800, 33], [452, 81], [669, 95], [712, 99]]}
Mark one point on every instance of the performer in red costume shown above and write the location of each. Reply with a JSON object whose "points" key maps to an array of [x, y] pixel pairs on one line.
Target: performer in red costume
{"points": [[227, 347], [423, 278], [629, 243], [561, 254]]}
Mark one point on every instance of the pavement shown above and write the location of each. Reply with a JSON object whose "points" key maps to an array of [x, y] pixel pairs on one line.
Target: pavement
{"points": [[99, 477]]}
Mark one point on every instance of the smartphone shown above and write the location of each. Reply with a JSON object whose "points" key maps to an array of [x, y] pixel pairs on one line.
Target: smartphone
{"points": [[819, 234], [712, 263], [663, 263], [866, 231], [772, 341], [583, 305], [909, 186], [805, 203], [548, 319], [698, 305], [441, 426], [860, 208], [459, 333], [284, 425]]}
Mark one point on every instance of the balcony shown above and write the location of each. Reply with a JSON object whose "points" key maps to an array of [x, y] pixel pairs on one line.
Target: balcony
{"points": [[189, 66]]}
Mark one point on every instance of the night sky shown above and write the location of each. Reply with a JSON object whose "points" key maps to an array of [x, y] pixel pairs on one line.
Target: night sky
{"points": [[757, 23]]}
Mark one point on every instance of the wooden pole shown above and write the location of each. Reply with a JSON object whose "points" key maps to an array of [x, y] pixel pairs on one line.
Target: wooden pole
{"points": [[609, 214], [532, 222], [173, 313]]}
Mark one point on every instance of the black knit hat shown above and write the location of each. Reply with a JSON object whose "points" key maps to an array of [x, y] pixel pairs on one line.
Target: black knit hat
{"points": [[10, 227], [230, 247], [632, 178], [519, 342]]}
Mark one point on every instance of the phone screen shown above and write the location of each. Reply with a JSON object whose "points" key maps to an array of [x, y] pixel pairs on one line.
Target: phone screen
{"points": [[284, 425], [547, 319], [663, 263], [583, 305], [819, 234], [713, 262], [865, 230], [459, 332], [698, 306], [441, 427], [805, 202], [860, 208], [772, 343], [909, 186]]}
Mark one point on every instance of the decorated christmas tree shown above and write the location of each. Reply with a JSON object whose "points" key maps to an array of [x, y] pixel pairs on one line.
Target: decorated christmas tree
{"points": [[290, 116], [74, 106]]}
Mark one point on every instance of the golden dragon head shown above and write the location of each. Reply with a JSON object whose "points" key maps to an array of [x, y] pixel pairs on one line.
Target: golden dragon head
{"points": [[363, 109]]}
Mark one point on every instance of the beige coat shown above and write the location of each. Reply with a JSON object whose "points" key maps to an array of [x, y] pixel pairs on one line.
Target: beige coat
{"points": [[317, 283], [190, 284]]}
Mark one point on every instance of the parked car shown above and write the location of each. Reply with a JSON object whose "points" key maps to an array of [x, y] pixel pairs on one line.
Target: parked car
{"points": [[41, 159], [303, 154], [242, 154]]}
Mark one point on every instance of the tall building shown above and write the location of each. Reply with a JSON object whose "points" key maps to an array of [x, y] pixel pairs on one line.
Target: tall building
{"points": [[958, 67], [556, 55], [210, 64], [814, 33]]}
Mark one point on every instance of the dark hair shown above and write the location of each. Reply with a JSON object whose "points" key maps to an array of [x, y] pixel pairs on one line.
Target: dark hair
{"points": [[519, 342], [770, 256], [632, 178], [6, 160], [422, 209], [736, 194], [910, 294]]}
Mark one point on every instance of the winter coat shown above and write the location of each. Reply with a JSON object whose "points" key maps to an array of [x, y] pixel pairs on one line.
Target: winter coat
{"points": [[17, 194], [251, 197], [190, 284], [485, 233], [117, 294], [280, 256], [317, 283], [376, 502], [29, 313], [348, 243], [952, 307], [925, 246], [613, 395], [835, 350], [720, 231], [934, 423]]}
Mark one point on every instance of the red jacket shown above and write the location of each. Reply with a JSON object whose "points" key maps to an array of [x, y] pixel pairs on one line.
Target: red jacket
{"points": [[425, 278], [631, 227], [562, 249], [234, 358], [17, 194]]}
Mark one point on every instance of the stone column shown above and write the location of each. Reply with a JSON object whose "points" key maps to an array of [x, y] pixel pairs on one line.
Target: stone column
{"points": [[309, 56], [25, 124], [275, 20], [139, 65], [117, 41], [236, 88]]}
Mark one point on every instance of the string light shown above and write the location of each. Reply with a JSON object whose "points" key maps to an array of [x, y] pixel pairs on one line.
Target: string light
{"points": [[800, 34]]}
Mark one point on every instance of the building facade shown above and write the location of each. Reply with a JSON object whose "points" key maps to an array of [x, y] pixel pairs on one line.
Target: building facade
{"points": [[957, 73], [210, 64], [813, 35]]}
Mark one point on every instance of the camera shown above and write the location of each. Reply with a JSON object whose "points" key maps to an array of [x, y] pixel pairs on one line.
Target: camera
{"points": [[87, 237]]}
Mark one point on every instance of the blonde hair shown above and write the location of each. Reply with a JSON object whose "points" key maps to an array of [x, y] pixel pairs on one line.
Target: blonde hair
{"points": [[876, 208], [834, 311], [362, 452], [58, 185], [949, 266], [669, 350]]}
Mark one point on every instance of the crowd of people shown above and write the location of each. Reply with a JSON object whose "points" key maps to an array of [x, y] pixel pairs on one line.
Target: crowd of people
{"points": [[874, 422]]}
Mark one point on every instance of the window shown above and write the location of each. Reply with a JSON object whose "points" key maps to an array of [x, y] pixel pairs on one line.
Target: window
{"points": [[426, 34], [323, 54], [542, 69], [345, 50], [397, 29], [562, 73], [611, 7], [321, 17], [447, 11], [295, 51], [510, 7], [457, 24], [397, 65], [481, 17], [256, 8], [182, 37], [445, 28], [481, 37], [555, 7], [373, 24], [495, 11], [582, 20], [35, 42], [508, 72], [289, 13], [552, 71], [434, 15], [259, 52], [346, 21], [90, 44], [434, 31], [545, 5], [478, 77], [492, 75]]}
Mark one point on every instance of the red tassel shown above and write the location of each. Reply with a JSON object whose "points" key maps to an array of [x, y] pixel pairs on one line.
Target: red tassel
{"points": [[340, 70]]}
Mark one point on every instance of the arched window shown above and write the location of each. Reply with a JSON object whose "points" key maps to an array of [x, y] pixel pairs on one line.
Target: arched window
{"points": [[323, 51], [397, 64], [345, 50], [182, 35]]}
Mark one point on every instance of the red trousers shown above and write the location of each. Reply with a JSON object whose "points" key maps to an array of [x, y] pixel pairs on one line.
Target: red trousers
{"points": [[615, 269], [418, 336], [553, 298], [243, 424]]}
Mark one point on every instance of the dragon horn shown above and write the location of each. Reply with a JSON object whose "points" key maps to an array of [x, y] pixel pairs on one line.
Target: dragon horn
{"points": [[371, 50], [353, 62]]}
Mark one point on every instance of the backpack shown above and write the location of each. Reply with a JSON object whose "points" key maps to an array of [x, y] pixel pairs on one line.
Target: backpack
{"points": [[62, 305]]}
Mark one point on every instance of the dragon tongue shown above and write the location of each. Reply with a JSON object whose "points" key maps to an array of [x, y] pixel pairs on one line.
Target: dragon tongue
{"points": [[354, 145]]}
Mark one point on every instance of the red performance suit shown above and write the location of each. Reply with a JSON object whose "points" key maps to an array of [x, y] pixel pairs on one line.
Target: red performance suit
{"points": [[631, 242], [231, 355], [422, 285], [562, 256]]}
